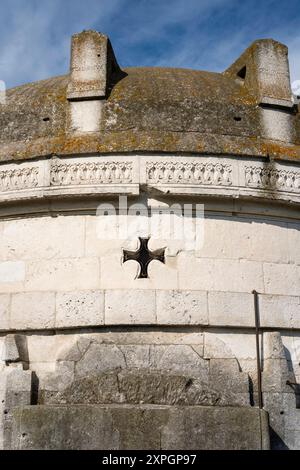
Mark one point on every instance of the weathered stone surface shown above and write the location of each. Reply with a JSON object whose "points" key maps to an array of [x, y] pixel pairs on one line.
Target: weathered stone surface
{"points": [[10, 352], [219, 274], [231, 308], [291, 410], [177, 307], [162, 388], [45, 348], [129, 307], [134, 387], [215, 347], [132, 427], [294, 240], [15, 390], [293, 439], [75, 349], [234, 344], [42, 238], [282, 279], [93, 66], [4, 311], [95, 372], [275, 367], [245, 238], [137, 356], [191, 101], [208, 428], [274, 405], [61, 379], [273, 346], [79, 308], [85, 116], [275, 376], [62, 274], [64, 428], [100, 358], [41, 309], [30, 310], [280, 399], [182, 358], [279, 311], [225, 375], [12, 276], [284, 419], [18, 380], [266, 72]]}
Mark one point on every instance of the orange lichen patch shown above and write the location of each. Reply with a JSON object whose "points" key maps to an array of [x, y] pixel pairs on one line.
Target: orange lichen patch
{"points": [[171, 84], [281, 151], [135, 141]]}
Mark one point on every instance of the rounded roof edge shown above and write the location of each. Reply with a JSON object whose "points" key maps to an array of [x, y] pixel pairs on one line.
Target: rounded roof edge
{"points": [[148, 109]]}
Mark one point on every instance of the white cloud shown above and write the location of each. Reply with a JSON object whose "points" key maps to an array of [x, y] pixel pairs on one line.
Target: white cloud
{"points": [[204, 34], [35, 35], [294, 57]]}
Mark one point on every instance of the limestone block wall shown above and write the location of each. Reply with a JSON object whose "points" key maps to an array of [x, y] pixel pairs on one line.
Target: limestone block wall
{"points": [[51, 266]]}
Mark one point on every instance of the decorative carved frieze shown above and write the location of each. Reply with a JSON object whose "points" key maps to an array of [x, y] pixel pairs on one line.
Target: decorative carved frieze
{"points": [[19, 178], [87, 173], [206, 173], [272, 178], [128, 175]]}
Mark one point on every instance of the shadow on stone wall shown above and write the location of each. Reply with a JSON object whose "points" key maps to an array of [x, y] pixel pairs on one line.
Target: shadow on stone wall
{"points": [[94, 372]]}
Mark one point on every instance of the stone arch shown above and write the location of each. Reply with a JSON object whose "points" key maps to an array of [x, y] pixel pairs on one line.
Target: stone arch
{"points": [[97, 372]]}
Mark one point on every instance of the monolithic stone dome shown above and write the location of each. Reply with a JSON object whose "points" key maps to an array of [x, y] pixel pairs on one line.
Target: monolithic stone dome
{"points": [[160, 109]]}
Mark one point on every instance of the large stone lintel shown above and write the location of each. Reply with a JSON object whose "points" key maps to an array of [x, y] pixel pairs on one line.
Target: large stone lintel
{"points": [[149, 307], [139, 427]]}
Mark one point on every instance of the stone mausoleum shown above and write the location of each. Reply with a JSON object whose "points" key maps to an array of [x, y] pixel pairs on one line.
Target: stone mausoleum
{"points": [[115, 339]]}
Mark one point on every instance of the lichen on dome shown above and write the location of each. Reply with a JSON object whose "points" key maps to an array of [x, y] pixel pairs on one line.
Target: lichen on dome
{"points": [[146, 109]]}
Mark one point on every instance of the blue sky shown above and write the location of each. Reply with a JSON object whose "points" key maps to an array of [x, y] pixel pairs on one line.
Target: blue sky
{"points": [[200, 34]]}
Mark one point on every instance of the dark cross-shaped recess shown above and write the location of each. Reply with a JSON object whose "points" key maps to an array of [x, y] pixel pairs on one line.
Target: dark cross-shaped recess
{"points": [[144, 257]]}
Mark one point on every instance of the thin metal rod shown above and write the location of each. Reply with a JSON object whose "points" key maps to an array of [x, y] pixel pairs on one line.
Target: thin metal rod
{"points": [[258, 363]]}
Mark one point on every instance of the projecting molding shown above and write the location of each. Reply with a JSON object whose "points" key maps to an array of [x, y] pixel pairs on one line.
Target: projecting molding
{"points": [[113, 175]]}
